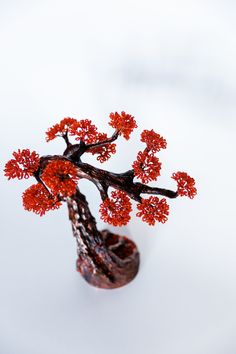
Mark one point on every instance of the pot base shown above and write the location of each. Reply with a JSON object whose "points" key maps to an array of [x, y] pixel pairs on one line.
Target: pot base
{"points": [[112, 265]]}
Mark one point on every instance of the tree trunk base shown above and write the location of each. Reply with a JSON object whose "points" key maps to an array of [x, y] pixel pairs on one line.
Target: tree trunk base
{"points": [[116, 262]]}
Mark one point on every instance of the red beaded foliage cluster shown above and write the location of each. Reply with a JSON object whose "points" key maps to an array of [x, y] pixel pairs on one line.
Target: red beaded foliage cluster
{"points": [[146, 167], [153, 209], [116, 210], [83, 130], [24, 164], [185, 184], [65, 126], [37, 199], [104, 152], [60, 177], [154, 141], [124, 123], [57, 178]]}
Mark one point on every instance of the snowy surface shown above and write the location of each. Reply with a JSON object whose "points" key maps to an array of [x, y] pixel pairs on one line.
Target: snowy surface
{"points": [[172, 65]]}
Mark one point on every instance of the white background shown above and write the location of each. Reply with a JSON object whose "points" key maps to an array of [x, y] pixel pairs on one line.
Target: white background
{"points": [[172, 65]]}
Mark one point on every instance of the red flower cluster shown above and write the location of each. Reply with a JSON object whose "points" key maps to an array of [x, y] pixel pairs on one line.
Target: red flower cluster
{"points": [[124, 123], [104, 151], [61, 128], [153, 209], [85, 131], [37, 199], [24, 164], [154, 141], [60, 177], [146, 167], [116, 210], [186, 184]]}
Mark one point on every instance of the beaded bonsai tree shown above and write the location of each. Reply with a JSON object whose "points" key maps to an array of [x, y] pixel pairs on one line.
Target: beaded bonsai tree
{"points": [[105, 260]]}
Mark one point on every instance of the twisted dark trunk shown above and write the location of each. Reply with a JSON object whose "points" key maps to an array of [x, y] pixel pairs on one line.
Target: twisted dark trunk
{"points": [[104, 259]]}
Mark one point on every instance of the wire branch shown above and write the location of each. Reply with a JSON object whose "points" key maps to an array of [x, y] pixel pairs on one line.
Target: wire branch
{"points": [[155, 190], [104, 142], [122, 181], [65, 137], [103, 179]]}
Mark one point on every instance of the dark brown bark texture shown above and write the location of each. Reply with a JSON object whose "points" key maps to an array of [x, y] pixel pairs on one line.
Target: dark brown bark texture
{"points": [[105, 260]]}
